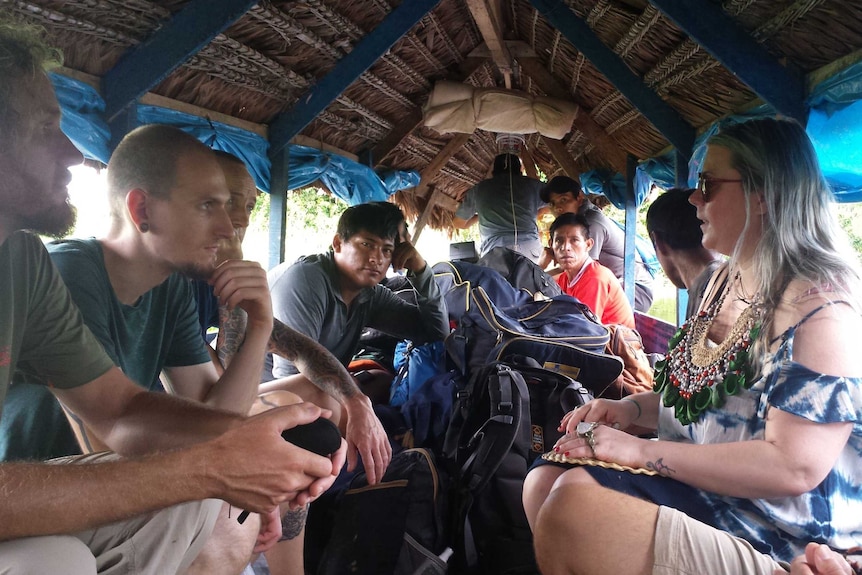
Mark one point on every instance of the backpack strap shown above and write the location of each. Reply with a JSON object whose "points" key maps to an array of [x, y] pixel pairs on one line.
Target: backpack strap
{"points": [[493, 440]]}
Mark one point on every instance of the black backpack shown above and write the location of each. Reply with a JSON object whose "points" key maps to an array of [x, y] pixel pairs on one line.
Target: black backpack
{"points": [[397, 527], [520, 271], [504, 419]]}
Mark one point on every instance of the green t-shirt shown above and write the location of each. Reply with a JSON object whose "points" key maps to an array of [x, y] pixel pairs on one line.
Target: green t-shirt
{"points": [[160, 330], [42, 335]]}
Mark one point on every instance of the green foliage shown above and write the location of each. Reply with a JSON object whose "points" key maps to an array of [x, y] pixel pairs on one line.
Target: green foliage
{"points": [[849, 218]]}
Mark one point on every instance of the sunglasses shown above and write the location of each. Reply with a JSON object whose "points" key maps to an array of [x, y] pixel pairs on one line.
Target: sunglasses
{"points": [[708, 186]]}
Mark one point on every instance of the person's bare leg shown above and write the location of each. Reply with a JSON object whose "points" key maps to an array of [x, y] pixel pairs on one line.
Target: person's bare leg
{"points": [[586, 529], [537, 486], [229, 548], [288, 557]]}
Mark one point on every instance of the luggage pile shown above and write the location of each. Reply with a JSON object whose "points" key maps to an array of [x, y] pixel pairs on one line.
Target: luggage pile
{"points": [[520, 356]]}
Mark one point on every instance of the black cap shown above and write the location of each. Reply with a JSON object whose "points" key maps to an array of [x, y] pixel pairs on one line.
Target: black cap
{"points": [[560, 185]]}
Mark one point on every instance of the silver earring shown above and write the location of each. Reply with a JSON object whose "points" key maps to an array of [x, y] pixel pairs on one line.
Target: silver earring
{"points": [[145, 227]]}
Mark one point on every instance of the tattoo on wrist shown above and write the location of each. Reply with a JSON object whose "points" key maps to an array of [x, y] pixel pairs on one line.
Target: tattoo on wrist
{"points": [[292, 523], [231, 333], [659, 467]]}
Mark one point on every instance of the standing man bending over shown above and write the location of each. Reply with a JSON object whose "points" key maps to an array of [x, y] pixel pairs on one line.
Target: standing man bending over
{"points": [[506, 207], [80, 519]]}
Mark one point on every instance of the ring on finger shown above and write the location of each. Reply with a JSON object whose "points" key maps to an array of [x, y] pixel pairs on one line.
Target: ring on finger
{"points": [[591, 441]]}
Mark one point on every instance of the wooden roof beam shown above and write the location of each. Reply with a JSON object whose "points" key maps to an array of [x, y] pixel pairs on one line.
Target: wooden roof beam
{"points": [[486, 14], [535, 69], [727, 42], [423, 218], [667, 120], [144, 66], [429, 173], [346, 71], [441, 159], [563, 157]]}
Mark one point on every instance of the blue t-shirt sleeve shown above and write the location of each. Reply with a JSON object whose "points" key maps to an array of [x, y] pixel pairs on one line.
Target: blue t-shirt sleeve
{"points": [[816, 397]]}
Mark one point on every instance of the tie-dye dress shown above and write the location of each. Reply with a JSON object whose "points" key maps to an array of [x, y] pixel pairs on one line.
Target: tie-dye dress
{"points": [[832, 512]]}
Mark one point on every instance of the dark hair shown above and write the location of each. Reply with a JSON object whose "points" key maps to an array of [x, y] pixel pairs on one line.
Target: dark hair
{"points": [[673, 220], [379, 218], [570, 219], [560, 185], [23, 53], [506, 164], [147, 158]]}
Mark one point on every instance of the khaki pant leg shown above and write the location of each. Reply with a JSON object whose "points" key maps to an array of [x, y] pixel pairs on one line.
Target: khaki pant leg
{"points": [[160, 543], [685, 546], [43, 555]]}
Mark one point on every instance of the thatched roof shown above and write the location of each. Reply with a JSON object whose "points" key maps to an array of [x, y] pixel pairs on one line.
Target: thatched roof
{"points": [[263, 65]]}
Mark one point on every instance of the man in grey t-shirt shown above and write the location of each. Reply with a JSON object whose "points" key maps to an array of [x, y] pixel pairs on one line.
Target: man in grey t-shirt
{"points": [[505, 207]]}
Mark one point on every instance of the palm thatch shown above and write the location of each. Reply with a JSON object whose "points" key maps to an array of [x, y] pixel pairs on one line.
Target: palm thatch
{"points": [[265, 62]]}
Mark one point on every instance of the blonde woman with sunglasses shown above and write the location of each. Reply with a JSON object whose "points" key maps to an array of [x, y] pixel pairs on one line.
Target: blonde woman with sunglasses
{"points": [[757, 408]]}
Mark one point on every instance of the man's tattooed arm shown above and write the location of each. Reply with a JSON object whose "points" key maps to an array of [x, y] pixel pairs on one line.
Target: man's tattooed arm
{"points": [[231, 333], [315, 362]]}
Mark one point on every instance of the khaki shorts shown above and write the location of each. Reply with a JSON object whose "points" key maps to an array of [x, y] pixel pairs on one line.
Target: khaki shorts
{"points": [[685, 546]]}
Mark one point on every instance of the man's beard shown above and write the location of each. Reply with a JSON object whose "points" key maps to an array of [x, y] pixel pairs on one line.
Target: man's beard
{"points": [[56, 222], [197, 271]]}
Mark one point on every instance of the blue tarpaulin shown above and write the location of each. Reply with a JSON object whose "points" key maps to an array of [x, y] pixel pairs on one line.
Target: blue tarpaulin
{"points": [[83, 121], [834, 125]]}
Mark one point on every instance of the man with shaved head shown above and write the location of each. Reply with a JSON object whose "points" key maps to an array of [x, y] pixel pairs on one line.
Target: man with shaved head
{"points": [[145, 510]]}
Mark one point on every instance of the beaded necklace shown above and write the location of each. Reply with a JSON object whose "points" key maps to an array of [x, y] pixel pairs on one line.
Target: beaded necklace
{"points": [[695, 375]]}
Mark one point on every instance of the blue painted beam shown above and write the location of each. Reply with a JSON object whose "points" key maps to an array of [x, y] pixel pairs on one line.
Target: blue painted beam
{"points": [[278, 207], [631, 212], [189, 30], [677, 131], [346, 71], [717, 33]]}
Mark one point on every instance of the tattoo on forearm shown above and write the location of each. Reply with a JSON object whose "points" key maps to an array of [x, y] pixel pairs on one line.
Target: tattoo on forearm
{"points": [[231, 333], [313, 360], [659, 467], [292, 523]]}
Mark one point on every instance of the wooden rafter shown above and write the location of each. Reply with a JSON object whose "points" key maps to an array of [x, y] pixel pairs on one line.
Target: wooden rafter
{"points": [[405, 126], [189, 30], [486, 15], [563, 157], [579, 33], [430, 172]]}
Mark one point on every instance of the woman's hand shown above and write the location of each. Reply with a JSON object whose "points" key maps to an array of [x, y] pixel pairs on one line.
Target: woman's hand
{"points": [[593, 430], [616, 413]]}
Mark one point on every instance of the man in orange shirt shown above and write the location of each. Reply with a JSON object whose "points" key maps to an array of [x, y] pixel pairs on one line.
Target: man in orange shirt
{"points": [[583, 277]]}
